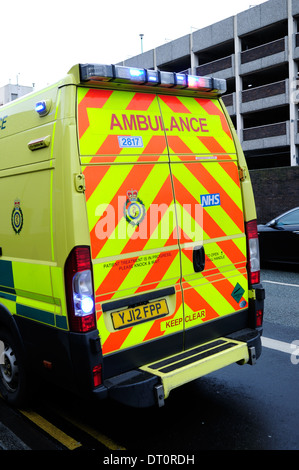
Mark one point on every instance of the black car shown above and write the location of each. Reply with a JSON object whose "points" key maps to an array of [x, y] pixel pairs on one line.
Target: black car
{"points": [[279, 238]]}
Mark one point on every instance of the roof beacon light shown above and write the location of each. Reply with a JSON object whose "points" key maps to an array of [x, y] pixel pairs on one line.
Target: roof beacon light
{"points": [[153, 77], [130, 74], [181, 80], [145, 77], [200, 83], [96, 72], [219, 85], [167, 79]]}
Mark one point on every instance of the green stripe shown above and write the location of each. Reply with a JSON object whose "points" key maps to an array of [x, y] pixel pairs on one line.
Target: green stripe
{"points": [[7, 290], [30, 295], [42, 316], [6, 275], [34, 314], [61, 322], [36, 296], [4, 295]]}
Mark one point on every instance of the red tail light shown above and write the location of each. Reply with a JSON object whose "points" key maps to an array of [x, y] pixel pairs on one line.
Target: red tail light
{"points": [[79, 290], [97, 375], [259, 318], [253, 252]]}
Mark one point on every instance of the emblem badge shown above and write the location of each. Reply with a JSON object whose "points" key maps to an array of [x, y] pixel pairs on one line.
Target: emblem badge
{"points": [[134, 209], [17, 217]]}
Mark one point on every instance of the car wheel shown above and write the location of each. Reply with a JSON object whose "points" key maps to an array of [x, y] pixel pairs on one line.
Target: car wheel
{"points": [[13, 378]]}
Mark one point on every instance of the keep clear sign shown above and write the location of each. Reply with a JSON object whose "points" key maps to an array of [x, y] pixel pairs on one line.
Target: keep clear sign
{"points": [[1, 352]]}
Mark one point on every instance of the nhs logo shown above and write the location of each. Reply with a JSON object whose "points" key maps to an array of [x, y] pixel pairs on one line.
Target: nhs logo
{"points": [[210, 200]]}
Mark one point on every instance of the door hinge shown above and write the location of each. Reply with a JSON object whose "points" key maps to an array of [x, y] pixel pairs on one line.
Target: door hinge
{"points": [[80, 182], [242, 173]]}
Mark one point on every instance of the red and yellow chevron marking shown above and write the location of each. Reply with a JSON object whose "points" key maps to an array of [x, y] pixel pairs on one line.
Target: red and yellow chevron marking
{"points": [[130, 260], [187, 151], [191, 180], [195, 126], [104, 115], [209, 295]]}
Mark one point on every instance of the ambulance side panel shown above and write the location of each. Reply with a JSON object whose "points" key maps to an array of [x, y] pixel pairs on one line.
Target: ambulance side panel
{"points": [[25, 185], [151, 185], [42, 220]]}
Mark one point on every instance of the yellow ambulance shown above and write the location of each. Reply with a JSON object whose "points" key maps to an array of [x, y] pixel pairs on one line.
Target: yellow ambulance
{"points": [[129, 250]]}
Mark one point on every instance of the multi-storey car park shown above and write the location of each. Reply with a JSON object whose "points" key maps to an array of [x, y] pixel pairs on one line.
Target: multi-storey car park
{"points": [[257, 52]]}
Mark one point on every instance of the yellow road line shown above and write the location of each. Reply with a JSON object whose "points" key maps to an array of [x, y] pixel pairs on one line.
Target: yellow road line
{"points": [[106, 441], [62, 437], [52, 430]]}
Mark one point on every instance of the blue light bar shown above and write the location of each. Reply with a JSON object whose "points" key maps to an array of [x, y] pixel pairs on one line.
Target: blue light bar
{"points": [[200, 83], [96, 72], [140, 76], [167, 79], [181, 80], [219, 85], [153, 77], [137, 73], [130, 74]]}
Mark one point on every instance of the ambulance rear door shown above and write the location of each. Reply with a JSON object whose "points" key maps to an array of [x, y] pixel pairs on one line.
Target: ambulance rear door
{"points": [[136, 259], [210, 216]]}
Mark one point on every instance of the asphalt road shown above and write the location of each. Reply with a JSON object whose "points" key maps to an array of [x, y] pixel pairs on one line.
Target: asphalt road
{"points": [[236, 408], [282, 296]]}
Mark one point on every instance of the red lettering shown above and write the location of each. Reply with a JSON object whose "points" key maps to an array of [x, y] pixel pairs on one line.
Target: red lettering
{"points": [[173, 124], [115, 122], [129, 123], [191, 120], [162, 124], [203, 124], [155, 123], [156, 128], [142, 124], [194, 316], [185, 124], [172, 323]]}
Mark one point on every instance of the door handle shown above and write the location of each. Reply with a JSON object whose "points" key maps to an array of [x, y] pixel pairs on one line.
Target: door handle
{"points": [[199, 258]]}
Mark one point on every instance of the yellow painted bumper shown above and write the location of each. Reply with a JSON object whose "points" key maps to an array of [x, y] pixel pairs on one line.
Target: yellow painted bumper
{"points": [[189, 365]]}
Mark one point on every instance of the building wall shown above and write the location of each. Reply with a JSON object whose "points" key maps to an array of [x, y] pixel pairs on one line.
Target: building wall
{"points": [[12, 92], [257, 52], [275, 191]]}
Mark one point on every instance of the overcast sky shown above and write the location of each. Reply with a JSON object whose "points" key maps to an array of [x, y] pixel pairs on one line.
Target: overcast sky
{"points": [[41, 40]]}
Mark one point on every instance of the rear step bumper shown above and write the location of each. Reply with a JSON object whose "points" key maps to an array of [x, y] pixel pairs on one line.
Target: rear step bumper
{"points": [[152, 383]]}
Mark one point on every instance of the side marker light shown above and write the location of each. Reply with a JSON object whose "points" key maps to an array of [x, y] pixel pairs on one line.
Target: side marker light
{"points": [[43, 107]]}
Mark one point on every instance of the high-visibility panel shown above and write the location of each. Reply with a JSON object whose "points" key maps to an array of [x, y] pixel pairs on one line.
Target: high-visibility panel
{"points": [[206, 181], [131, 214], [120, 124], [196, 127], [161, 179]]}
